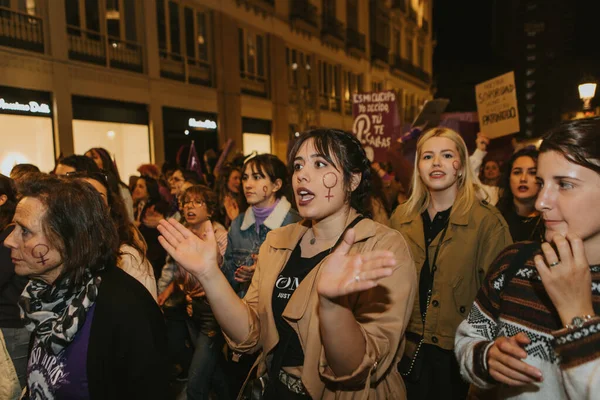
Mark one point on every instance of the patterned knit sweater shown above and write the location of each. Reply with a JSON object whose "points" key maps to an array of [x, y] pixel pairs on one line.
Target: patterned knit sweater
{"points": [[568, 359]]}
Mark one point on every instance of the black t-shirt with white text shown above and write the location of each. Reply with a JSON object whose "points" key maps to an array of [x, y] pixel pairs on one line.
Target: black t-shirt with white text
{"points": [[296, 269]]}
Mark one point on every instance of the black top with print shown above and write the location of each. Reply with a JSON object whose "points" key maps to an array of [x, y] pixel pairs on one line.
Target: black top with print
{"points": [[431, 228], [296, 269]]}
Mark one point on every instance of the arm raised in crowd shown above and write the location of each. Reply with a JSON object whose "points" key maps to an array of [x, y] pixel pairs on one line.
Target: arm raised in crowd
{"points": [[198, 255]]}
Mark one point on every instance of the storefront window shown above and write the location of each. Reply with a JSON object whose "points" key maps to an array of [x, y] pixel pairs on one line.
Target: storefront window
{"points": [[127, 143], [26, 140], [257, 142]]}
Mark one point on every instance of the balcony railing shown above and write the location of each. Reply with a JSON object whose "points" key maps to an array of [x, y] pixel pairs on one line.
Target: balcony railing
{"points": [[356, 42], [123, 54], [332, 31], [399, 4], [303, 15], [267, 6], [177, 67], [254, 85], [331, 103], [403, 65], [95, 48], [380, 53], [21, 30], [307, 95], [412, 14]]}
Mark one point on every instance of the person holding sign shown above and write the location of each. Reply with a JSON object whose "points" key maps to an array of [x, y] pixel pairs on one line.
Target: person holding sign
{"points": [[534, 330], [330, 297], [453, 238]]}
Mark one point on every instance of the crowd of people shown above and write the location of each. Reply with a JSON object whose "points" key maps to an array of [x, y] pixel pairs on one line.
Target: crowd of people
{"points": [[325, 276]]}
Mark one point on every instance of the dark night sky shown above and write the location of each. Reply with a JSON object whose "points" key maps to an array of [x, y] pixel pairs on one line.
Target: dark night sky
{"points": [[463, 54]]}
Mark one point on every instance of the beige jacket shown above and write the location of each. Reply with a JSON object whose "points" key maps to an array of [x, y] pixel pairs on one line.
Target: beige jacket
{"points": [[382, 312], [9, 383], [471, 243]]}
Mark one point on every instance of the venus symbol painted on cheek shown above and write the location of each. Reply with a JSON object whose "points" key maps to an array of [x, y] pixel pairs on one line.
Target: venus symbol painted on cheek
{"points": [[40, 251], [330, 181], [456, 166], [265, 190]]}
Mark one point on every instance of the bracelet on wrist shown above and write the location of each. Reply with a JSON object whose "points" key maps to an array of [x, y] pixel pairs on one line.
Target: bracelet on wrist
{"points": [[579, 321]]}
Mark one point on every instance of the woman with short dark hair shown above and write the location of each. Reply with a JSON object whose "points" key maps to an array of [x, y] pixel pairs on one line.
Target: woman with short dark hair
{"points": [[97, 332]]}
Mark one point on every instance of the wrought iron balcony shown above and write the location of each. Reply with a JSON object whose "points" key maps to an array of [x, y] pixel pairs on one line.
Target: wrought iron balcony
{"points": [[95, 48], [21, 30], [412, 14], [403, 65], [332, 31], [356, 42], [254, 85], [180, 68], [331, 103], [303, 16], [399, 4], [380, 53], [267, 6]]}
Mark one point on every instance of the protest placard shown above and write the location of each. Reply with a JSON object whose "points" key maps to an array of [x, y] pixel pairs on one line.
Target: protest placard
{"points": [[376, 120], [497, 106]]}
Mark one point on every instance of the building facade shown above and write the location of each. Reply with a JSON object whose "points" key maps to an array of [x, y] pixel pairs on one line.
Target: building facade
{"points": [[144, 77]]}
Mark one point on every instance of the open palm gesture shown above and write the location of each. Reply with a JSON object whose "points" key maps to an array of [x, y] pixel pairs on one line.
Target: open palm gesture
{"points": [[343, 274], [194, 251]]}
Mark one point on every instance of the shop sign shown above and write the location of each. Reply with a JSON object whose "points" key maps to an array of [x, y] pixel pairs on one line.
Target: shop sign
{"points": [[32, 107], [206, 124]]}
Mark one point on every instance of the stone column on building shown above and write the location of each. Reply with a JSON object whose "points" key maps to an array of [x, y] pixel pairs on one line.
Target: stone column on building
{"points": [[58, 41], [280, 97], [228, 81], [152, 68]]}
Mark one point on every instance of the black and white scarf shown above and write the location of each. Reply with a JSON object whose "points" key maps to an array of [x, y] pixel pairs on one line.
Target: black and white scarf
{"points": [[57, 312]]}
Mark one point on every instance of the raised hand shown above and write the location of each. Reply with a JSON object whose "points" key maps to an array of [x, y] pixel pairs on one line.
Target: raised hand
{"points": [[152, 217], [231, 207], [482, 141], [197, 253], [566, 277], [343, 274], [245, 272], [505, 363]]}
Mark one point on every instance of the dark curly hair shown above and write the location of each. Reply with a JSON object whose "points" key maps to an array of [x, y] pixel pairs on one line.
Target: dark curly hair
{"points": [[350, 158], [208, 197]]}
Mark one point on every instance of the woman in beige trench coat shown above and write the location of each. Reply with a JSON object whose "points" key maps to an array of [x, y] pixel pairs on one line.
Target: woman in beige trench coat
{"points": [[327, 305]]}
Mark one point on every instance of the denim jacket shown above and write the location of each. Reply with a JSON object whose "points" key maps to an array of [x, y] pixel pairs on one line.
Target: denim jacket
{"points": [[243, 240]]}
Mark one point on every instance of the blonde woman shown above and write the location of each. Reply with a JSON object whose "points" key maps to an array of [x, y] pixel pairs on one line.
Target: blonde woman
{"points": [[453, 238]]}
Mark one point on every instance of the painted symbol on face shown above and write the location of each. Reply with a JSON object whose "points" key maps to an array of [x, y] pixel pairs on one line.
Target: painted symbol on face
{"points": [[40, 251], [330, 180], [456, 166], [265, 190]]}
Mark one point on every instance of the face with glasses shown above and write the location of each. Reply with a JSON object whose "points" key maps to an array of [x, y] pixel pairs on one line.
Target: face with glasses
{"points": [[195, 211]]}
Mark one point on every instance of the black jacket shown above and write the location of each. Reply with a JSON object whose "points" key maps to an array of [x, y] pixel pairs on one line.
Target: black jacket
{"points": [[127, 353], [11, 286]]}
